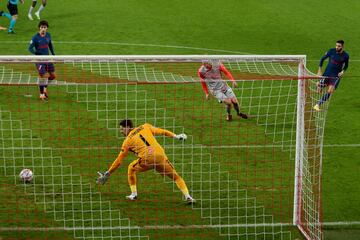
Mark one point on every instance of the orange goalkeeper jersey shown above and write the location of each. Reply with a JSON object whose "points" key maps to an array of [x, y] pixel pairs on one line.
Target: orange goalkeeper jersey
{"points": [[142, 143]]}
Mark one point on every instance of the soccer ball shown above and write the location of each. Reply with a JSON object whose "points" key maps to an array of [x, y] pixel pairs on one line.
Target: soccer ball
{"points": [[26, 175]]}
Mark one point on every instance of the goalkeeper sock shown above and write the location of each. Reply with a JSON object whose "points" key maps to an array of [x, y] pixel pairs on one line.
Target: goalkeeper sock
{"points": [[180, 183], [236, 107], [324, 98], [133, 189]]}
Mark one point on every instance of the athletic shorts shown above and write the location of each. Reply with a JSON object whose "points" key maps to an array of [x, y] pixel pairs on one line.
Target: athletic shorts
{"points": [[45, 67], [221, 95], [161, 164], [13, 9], [333, 81]]}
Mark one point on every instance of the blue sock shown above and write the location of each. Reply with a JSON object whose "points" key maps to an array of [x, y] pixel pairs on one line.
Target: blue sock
{"points": [[12, 24], [7, 15], [324, 98]]}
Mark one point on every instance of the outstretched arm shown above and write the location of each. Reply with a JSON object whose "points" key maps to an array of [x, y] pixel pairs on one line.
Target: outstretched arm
{"points": [[160, 131], [116, 164], [228, 74], [104, 176]]}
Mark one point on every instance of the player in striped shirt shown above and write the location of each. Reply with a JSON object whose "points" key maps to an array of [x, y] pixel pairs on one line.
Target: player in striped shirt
{"points": [[211, 81], [150, 155]]}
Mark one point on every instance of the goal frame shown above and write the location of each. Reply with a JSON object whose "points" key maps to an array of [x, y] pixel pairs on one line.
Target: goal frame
{"points": [[301, 100]]}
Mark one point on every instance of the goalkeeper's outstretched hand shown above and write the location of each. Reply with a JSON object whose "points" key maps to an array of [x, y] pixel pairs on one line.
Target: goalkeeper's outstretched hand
{"points": [[103, 177], [181, 136]]}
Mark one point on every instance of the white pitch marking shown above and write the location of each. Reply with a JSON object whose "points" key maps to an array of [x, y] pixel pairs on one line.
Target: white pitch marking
{"points": [[40, 229]]}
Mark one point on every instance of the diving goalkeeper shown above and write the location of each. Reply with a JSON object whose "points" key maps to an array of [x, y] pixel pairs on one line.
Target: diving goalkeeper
{"points": [[150, 155]]}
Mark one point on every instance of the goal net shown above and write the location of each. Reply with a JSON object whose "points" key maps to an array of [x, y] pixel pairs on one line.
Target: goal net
{"points": [[255, 178]]}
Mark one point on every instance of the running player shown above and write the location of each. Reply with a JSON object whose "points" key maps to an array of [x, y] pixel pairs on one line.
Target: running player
{"points": [[210, 77], [12, 15], [338, 63]]}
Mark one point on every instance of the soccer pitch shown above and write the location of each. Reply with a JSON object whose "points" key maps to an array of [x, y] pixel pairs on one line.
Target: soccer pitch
{"points": [[175, 27]]}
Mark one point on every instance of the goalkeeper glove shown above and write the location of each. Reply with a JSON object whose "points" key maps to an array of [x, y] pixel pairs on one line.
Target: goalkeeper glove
{"points": [[181, 136], [103, 177]]}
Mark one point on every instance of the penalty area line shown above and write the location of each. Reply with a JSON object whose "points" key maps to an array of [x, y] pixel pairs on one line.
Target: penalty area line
{"points": [[152, 227]]}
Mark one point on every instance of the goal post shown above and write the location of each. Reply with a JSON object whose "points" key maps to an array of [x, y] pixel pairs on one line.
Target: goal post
{"points": [[256, 178]]}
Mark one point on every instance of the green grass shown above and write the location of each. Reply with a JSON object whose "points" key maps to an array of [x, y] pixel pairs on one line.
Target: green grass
{"points": [[260, 27]]}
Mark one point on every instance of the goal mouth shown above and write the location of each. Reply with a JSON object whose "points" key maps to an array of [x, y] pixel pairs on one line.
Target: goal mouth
{"points": [[250, 177]]}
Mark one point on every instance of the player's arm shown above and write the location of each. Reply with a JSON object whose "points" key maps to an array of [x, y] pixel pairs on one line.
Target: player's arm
{"points": [[32, 46], [51, 47], [103, 177], [345, 67], [322, 59], [160, 131], [228, 74], [116, 164], [203, 84]]}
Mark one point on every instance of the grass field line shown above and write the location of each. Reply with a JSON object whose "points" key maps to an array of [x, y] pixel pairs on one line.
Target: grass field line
{"points": [[152, 227], [355, 145], [133, 44]]}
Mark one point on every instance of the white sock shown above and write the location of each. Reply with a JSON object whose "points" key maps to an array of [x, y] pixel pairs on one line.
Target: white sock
{"points": [[40, 8], [31, 9]]}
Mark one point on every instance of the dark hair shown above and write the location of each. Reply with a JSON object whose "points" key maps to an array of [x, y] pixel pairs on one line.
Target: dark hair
{"points": [[43, 23], [126, 123], [341, 42]]}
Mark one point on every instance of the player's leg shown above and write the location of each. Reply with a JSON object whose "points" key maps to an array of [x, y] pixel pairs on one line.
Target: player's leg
{"points": [[42, 80], [42, 6], [33, 4], [134, 167], [13, 10], [165, 168], [332, 85], [7, 15], [51, 70]]}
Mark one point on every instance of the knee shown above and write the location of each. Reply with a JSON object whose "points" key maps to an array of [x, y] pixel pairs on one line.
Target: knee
{"points": [[331, 90]]}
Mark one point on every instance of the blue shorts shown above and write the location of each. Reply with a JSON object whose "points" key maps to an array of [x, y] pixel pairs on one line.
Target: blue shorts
{"points": [[333, 81], [13, 9], [45, 67]]}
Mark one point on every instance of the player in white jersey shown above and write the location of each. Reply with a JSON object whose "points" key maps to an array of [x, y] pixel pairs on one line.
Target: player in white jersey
{"points": [[37, 13], [211, 81]]}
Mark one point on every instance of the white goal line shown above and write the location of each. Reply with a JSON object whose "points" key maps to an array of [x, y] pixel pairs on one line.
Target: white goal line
{"points": [[152, 227]]}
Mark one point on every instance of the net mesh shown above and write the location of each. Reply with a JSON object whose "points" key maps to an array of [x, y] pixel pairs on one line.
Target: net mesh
{"points": [[242, 172]]}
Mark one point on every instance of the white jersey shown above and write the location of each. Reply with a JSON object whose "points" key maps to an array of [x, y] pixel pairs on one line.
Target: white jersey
{"points": [[213, 79]]}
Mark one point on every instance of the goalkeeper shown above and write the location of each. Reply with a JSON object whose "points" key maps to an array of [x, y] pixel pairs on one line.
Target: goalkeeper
{"points": [[210, 78], [150, 155]]}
